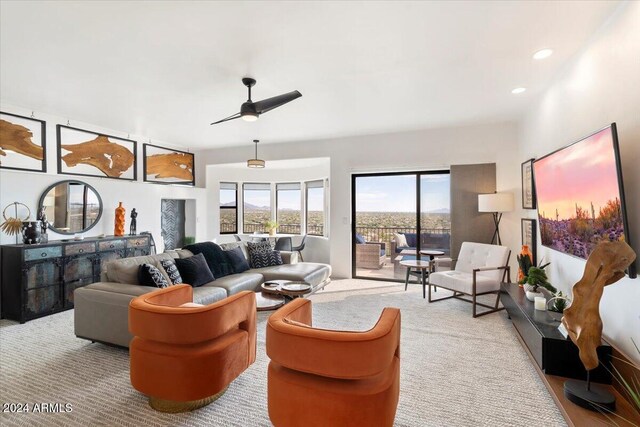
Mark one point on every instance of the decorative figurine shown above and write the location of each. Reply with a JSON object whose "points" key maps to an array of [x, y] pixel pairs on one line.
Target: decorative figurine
{"points": [[119, 222], [134, 222], [44, 224], [605, 266]]}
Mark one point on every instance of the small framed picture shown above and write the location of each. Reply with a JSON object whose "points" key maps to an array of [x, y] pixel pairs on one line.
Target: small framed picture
{"points": [[23, 143], [528, 227], [168, 166], [528, 186], [86, 153]]}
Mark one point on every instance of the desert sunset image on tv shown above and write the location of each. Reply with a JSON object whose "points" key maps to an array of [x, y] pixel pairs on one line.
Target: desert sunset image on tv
{"points": [[578, 195]]}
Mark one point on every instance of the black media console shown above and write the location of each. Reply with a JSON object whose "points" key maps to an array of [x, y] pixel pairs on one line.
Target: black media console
{"points": [[554, 354]]}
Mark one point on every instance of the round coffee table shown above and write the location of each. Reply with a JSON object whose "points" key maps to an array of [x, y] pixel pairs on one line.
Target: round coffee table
{"points": [[266, 302], [431, 253], [287, 288], [421, 267]]}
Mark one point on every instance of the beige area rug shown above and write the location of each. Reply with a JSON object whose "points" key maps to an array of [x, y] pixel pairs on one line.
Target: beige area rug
{"points": [[455, 370]]}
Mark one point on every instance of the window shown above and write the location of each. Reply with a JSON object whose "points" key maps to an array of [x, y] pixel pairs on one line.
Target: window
{"points": [[256, 207], [315, 208], [289, 208], [228, 208]]}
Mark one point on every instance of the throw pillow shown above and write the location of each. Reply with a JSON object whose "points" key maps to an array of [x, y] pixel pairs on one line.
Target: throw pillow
{"points": [[194, 270], [237, 260], [253, 247], [149, 275], [401, 240], [359, 238], [172, 271], [214, 255], [265, 259]]}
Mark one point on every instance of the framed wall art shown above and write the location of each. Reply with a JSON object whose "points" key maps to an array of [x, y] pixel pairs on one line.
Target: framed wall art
{"points": [[85, 153], [23, 143], [528, 187], [168, 166], [528, 230]]}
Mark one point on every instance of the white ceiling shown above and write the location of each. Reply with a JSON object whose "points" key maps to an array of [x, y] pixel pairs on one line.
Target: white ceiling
{"points": [[167, 69]]}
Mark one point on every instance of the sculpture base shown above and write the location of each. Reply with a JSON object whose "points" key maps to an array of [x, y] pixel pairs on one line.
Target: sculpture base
{"points": [[596, 398], [173, 407]]}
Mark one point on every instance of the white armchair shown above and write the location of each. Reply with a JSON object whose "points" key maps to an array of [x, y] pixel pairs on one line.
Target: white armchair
{"points": [[480, 269]]}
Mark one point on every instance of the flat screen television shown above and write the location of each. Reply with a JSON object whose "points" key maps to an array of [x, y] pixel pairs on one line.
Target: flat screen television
{"points": [[580, 195]]}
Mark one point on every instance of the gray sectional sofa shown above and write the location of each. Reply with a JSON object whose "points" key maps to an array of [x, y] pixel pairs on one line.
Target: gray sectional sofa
{"points": [[102, 308]]}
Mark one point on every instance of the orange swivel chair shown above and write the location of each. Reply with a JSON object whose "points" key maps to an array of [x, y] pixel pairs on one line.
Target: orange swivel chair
{"points": [[185, 355], [318, 377]]}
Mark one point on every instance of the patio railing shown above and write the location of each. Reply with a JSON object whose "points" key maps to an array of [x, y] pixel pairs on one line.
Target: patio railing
{"points": [[385, 234]]}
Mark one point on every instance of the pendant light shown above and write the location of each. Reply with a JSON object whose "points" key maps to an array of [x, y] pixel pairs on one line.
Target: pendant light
{"points": [[255, 162]]}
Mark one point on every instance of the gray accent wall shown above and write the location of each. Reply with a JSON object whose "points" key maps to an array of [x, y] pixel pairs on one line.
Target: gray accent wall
{"points": [[467, 224]]}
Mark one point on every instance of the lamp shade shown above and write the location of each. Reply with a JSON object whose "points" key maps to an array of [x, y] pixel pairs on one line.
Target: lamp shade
{"points": [[496, 202]]}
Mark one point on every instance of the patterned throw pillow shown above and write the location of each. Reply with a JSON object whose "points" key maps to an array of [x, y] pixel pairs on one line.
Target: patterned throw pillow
{"points": [[265, 259], [253, 247], [172, 271], [149, 275]]}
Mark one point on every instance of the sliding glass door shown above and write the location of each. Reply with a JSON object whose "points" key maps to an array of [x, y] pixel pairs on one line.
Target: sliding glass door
{"points": [[395, 215]]}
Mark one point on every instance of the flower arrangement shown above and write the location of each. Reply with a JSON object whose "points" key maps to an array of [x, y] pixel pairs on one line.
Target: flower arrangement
{"points": [[271, 226]]}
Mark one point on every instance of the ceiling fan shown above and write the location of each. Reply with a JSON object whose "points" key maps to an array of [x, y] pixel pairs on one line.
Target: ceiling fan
{"points": [[249, 111]]}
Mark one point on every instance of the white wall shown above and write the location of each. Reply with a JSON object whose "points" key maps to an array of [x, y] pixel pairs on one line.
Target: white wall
{"points": [[26, 187], [601, 85], [418, 150]]}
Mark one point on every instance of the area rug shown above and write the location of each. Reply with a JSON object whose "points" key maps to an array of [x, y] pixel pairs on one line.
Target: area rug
{"points": [[455, 370]]}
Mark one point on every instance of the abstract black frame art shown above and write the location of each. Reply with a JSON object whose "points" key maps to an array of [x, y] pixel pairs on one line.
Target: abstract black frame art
{"points": [[163, 165], [98, 155], [15, 131], [528, 233], [528, 186]]}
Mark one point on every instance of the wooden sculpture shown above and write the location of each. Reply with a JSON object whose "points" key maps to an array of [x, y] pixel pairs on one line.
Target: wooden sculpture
{"points": [[18, 139], [174, 165], [605, 266], [119, 222], [111, 158]]}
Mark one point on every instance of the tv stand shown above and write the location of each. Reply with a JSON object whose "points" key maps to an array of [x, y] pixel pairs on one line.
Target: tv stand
{"points": [[555, 358]]}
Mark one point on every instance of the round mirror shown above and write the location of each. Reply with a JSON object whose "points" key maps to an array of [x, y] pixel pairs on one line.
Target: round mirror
{"points": [[71, 206]]}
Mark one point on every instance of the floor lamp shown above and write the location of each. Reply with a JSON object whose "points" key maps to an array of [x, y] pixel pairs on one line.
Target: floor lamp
{"points": [[496, 203]]}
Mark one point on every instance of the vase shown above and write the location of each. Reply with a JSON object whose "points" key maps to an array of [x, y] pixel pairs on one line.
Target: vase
{"points": [[272, 232], [31, 232], [531, 296], [524, 252], [119, 221]]}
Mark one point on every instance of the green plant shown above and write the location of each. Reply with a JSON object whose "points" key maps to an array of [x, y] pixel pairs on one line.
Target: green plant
{"points": [[270, 224], [524, 262], [189, 240], [537, 277], [630, 386], [559, 302]]}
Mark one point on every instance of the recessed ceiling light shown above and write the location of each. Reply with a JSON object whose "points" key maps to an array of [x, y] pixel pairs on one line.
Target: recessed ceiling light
{"points": [[541, 54], [518, 90]]}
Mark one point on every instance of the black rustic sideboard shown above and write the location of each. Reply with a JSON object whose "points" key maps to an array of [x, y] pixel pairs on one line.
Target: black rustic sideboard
{"points": [[38, 280]]}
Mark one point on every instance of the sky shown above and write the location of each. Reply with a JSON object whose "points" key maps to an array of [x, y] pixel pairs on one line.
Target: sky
{"points": [[581, 173], [287, 199], [397, 193]]}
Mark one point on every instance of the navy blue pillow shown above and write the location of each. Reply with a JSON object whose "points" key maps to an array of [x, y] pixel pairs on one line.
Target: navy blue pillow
{"points": [[412, 239], [359, 238], [194, 270], [237, 260]]}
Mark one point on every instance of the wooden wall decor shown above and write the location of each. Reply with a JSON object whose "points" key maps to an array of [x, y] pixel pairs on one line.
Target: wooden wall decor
{"points": [[168, 166], [22, 143], [85, 153], [605, 266]]}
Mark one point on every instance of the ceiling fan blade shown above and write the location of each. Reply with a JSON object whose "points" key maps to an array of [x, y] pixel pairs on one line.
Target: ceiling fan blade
{"points": [[234, 116], [271, 103]]}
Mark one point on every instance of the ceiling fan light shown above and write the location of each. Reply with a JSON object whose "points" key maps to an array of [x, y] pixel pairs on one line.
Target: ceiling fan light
{"points": [[255, 163], [249, 117]]}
